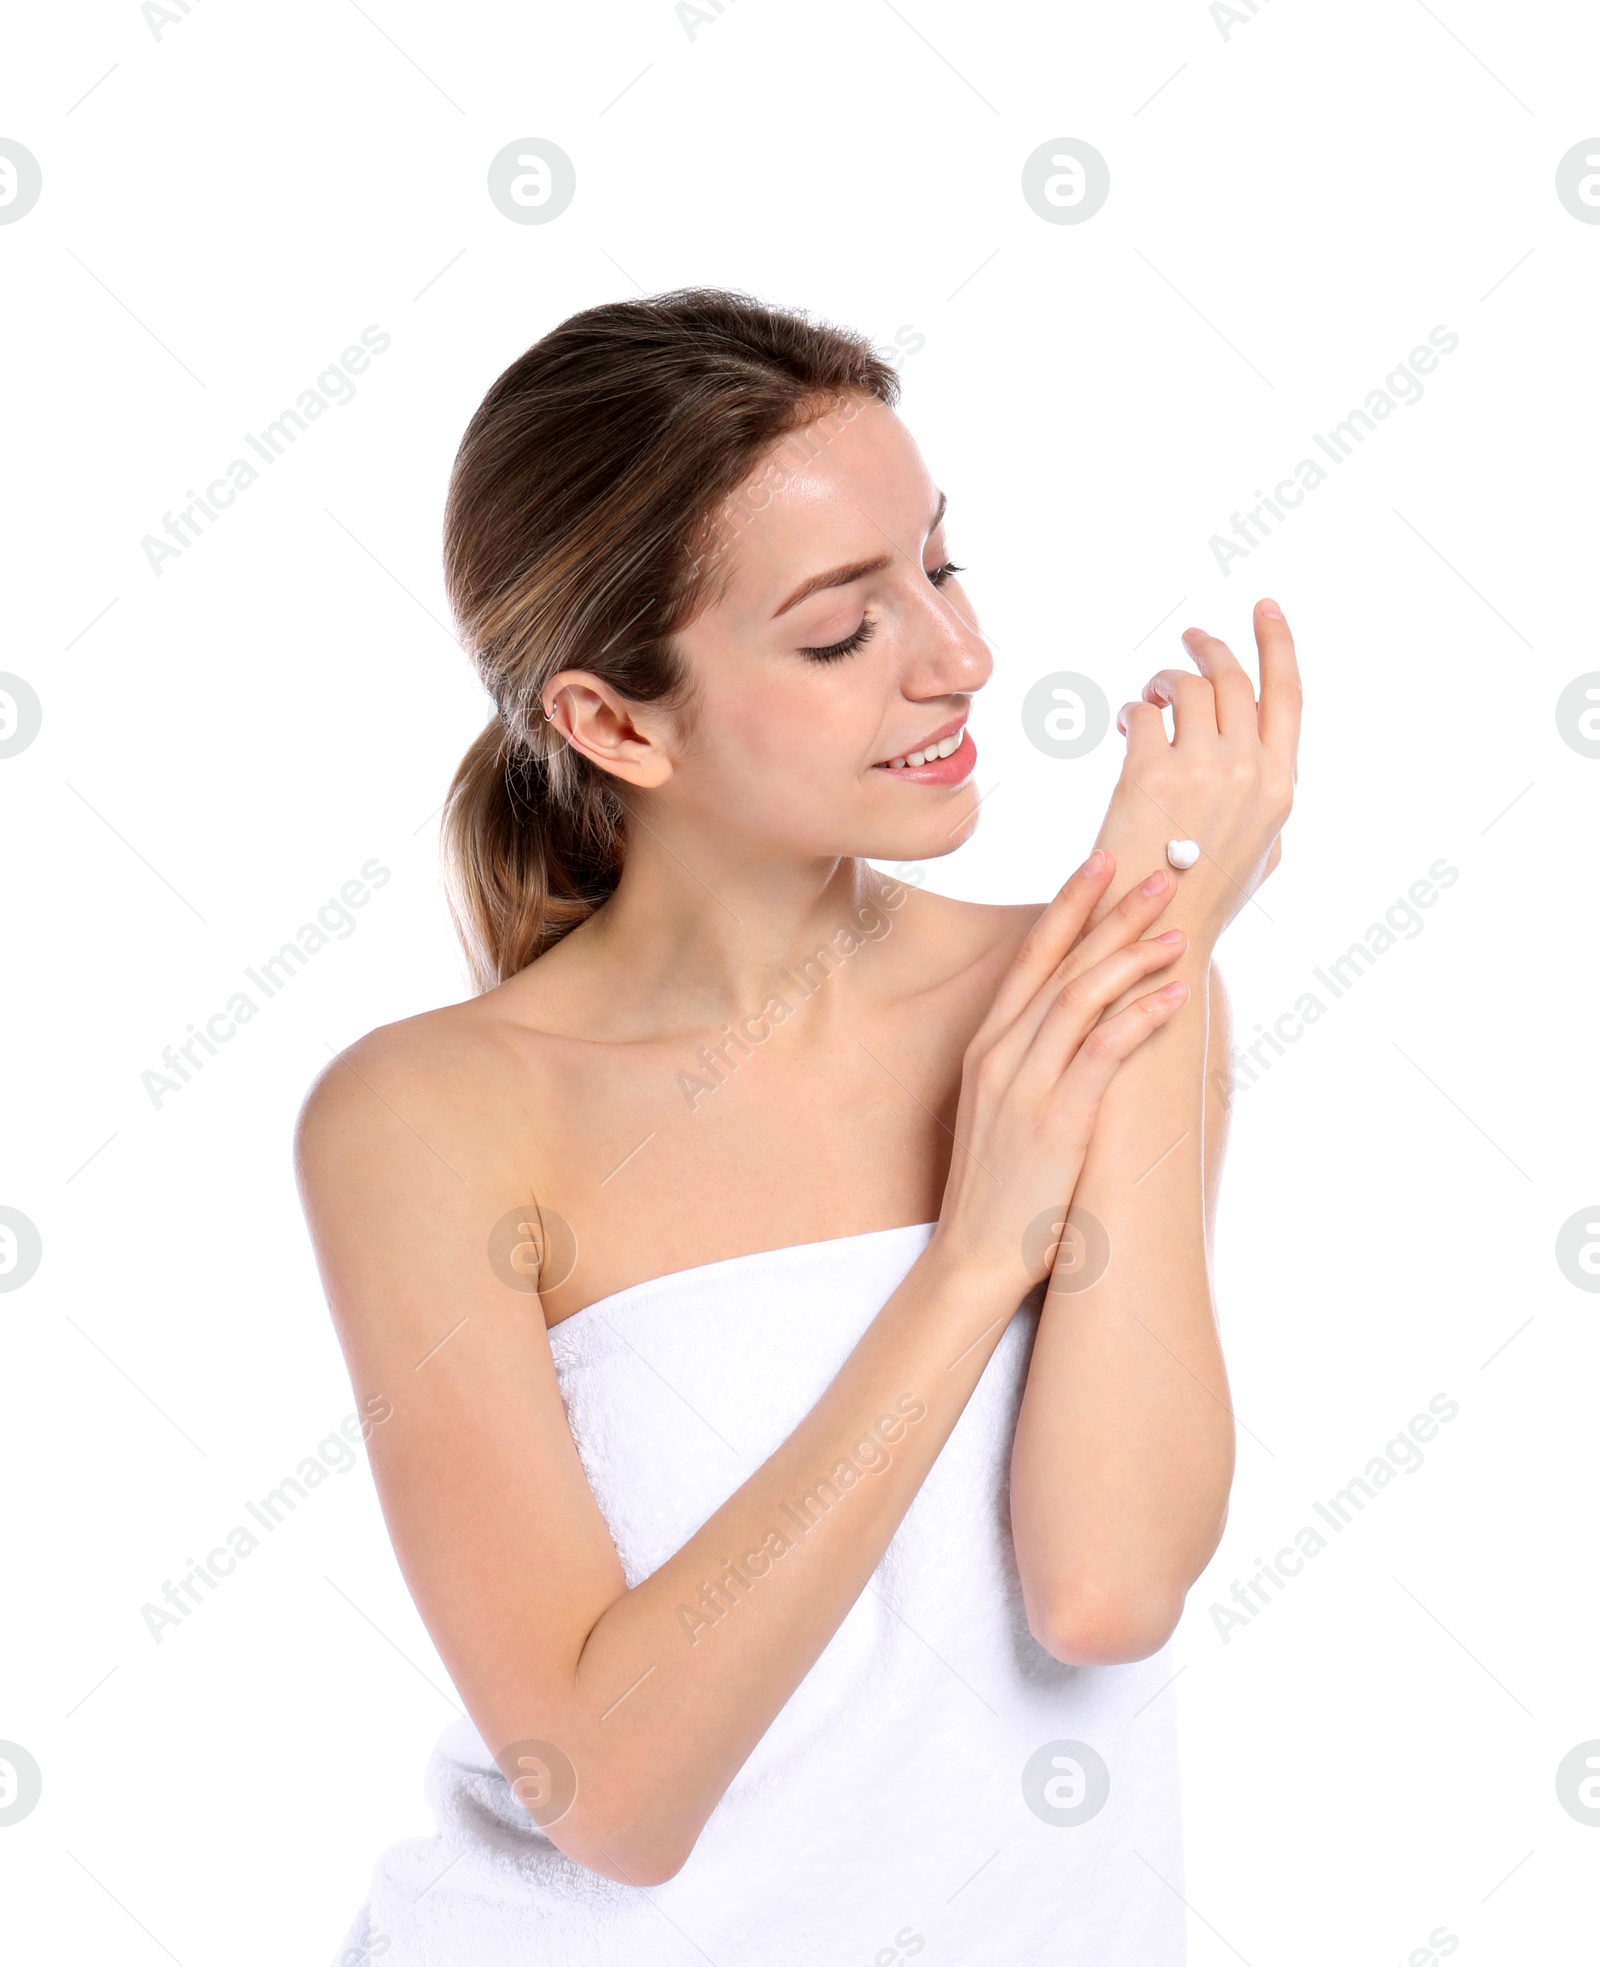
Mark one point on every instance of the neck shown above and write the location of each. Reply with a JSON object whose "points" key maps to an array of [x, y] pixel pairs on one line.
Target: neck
{"points": [[699, 933]]}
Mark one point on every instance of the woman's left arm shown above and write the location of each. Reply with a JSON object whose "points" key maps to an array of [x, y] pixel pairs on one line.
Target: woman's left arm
{"points": [[1124, 1447]]}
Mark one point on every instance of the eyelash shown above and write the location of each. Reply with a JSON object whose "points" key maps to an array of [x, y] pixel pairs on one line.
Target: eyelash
{"points": [[848, 646], [864, 634]]}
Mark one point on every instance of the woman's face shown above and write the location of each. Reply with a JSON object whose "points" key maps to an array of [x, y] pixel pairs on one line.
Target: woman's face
{"points": [[840, 649]]}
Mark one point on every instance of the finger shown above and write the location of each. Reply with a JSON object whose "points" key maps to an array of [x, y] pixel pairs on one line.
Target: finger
{"points": [[1094, 1064], [1120, 927], [1077, 1008], [1058, 926], [1128, 917], [1141, 725], [1228, 677], [1193, 701], [1280, 684]]}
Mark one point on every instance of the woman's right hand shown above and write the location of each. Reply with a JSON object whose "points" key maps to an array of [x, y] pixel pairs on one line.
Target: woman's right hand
{"points": [[1036, 1070]]}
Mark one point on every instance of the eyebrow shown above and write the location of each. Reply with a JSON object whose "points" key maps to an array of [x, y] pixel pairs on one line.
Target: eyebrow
{"points": [[857, 570]]}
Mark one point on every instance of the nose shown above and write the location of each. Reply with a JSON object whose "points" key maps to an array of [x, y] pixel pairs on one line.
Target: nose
{"points": [[946, 654]]}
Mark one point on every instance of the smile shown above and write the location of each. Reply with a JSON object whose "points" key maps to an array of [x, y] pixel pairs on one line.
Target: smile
{"points": [[943, 747], [944, 758]]}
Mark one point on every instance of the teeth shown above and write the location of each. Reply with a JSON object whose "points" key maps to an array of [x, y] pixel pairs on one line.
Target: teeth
{"points": [[943, 749]]}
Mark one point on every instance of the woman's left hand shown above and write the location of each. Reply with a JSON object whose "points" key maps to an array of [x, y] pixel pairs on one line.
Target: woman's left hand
{"points": [[1224, 780]]}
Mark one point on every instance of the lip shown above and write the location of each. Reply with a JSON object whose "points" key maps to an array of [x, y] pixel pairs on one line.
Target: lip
{"points": [[947, 729], [938, 771]]}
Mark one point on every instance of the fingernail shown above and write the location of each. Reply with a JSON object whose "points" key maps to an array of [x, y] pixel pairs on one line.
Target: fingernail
{"points": [[1154, 884], [1175, 993], [1271, 608], [1192, 631], [1172, 936]]}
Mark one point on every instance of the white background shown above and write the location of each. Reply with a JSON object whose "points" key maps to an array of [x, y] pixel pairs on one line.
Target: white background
{"points": [[1294, 204]]}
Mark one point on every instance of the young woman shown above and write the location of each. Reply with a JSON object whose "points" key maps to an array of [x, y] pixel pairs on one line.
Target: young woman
{"points": [[803, 1562]]}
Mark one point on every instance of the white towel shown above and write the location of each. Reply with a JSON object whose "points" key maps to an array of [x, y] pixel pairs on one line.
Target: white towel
{"points": [[886, 1812]]}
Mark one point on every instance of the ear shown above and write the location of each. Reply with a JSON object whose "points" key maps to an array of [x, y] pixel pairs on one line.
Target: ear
{"points": [[628, 740]]}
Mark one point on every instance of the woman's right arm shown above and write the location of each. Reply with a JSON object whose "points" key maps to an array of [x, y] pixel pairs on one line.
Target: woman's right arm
{"points": [[651, 1704]]}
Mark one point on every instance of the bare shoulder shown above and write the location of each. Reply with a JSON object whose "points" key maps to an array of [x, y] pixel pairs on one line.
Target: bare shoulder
{"points": [[412, 1148], [410, 1055], [455, 1083]]}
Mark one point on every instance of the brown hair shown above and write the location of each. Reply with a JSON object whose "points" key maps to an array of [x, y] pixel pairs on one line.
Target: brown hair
{"points": [[577, 535]]}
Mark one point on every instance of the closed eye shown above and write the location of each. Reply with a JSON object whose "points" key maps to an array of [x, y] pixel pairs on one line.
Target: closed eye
{"points": [[939, 575], [848, 646]]}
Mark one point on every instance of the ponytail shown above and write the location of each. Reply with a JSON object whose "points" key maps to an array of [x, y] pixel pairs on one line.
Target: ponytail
{"points": [[523, 866]]}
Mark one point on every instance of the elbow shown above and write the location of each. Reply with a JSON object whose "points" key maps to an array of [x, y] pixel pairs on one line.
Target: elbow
{"points": [[1111, 1629], [657, 1870], [618, 1819], [643, 1866], [628, 1852]]}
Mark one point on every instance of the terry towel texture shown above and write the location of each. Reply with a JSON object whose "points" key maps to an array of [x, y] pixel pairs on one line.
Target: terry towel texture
{"points": [[885, 1814]]}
